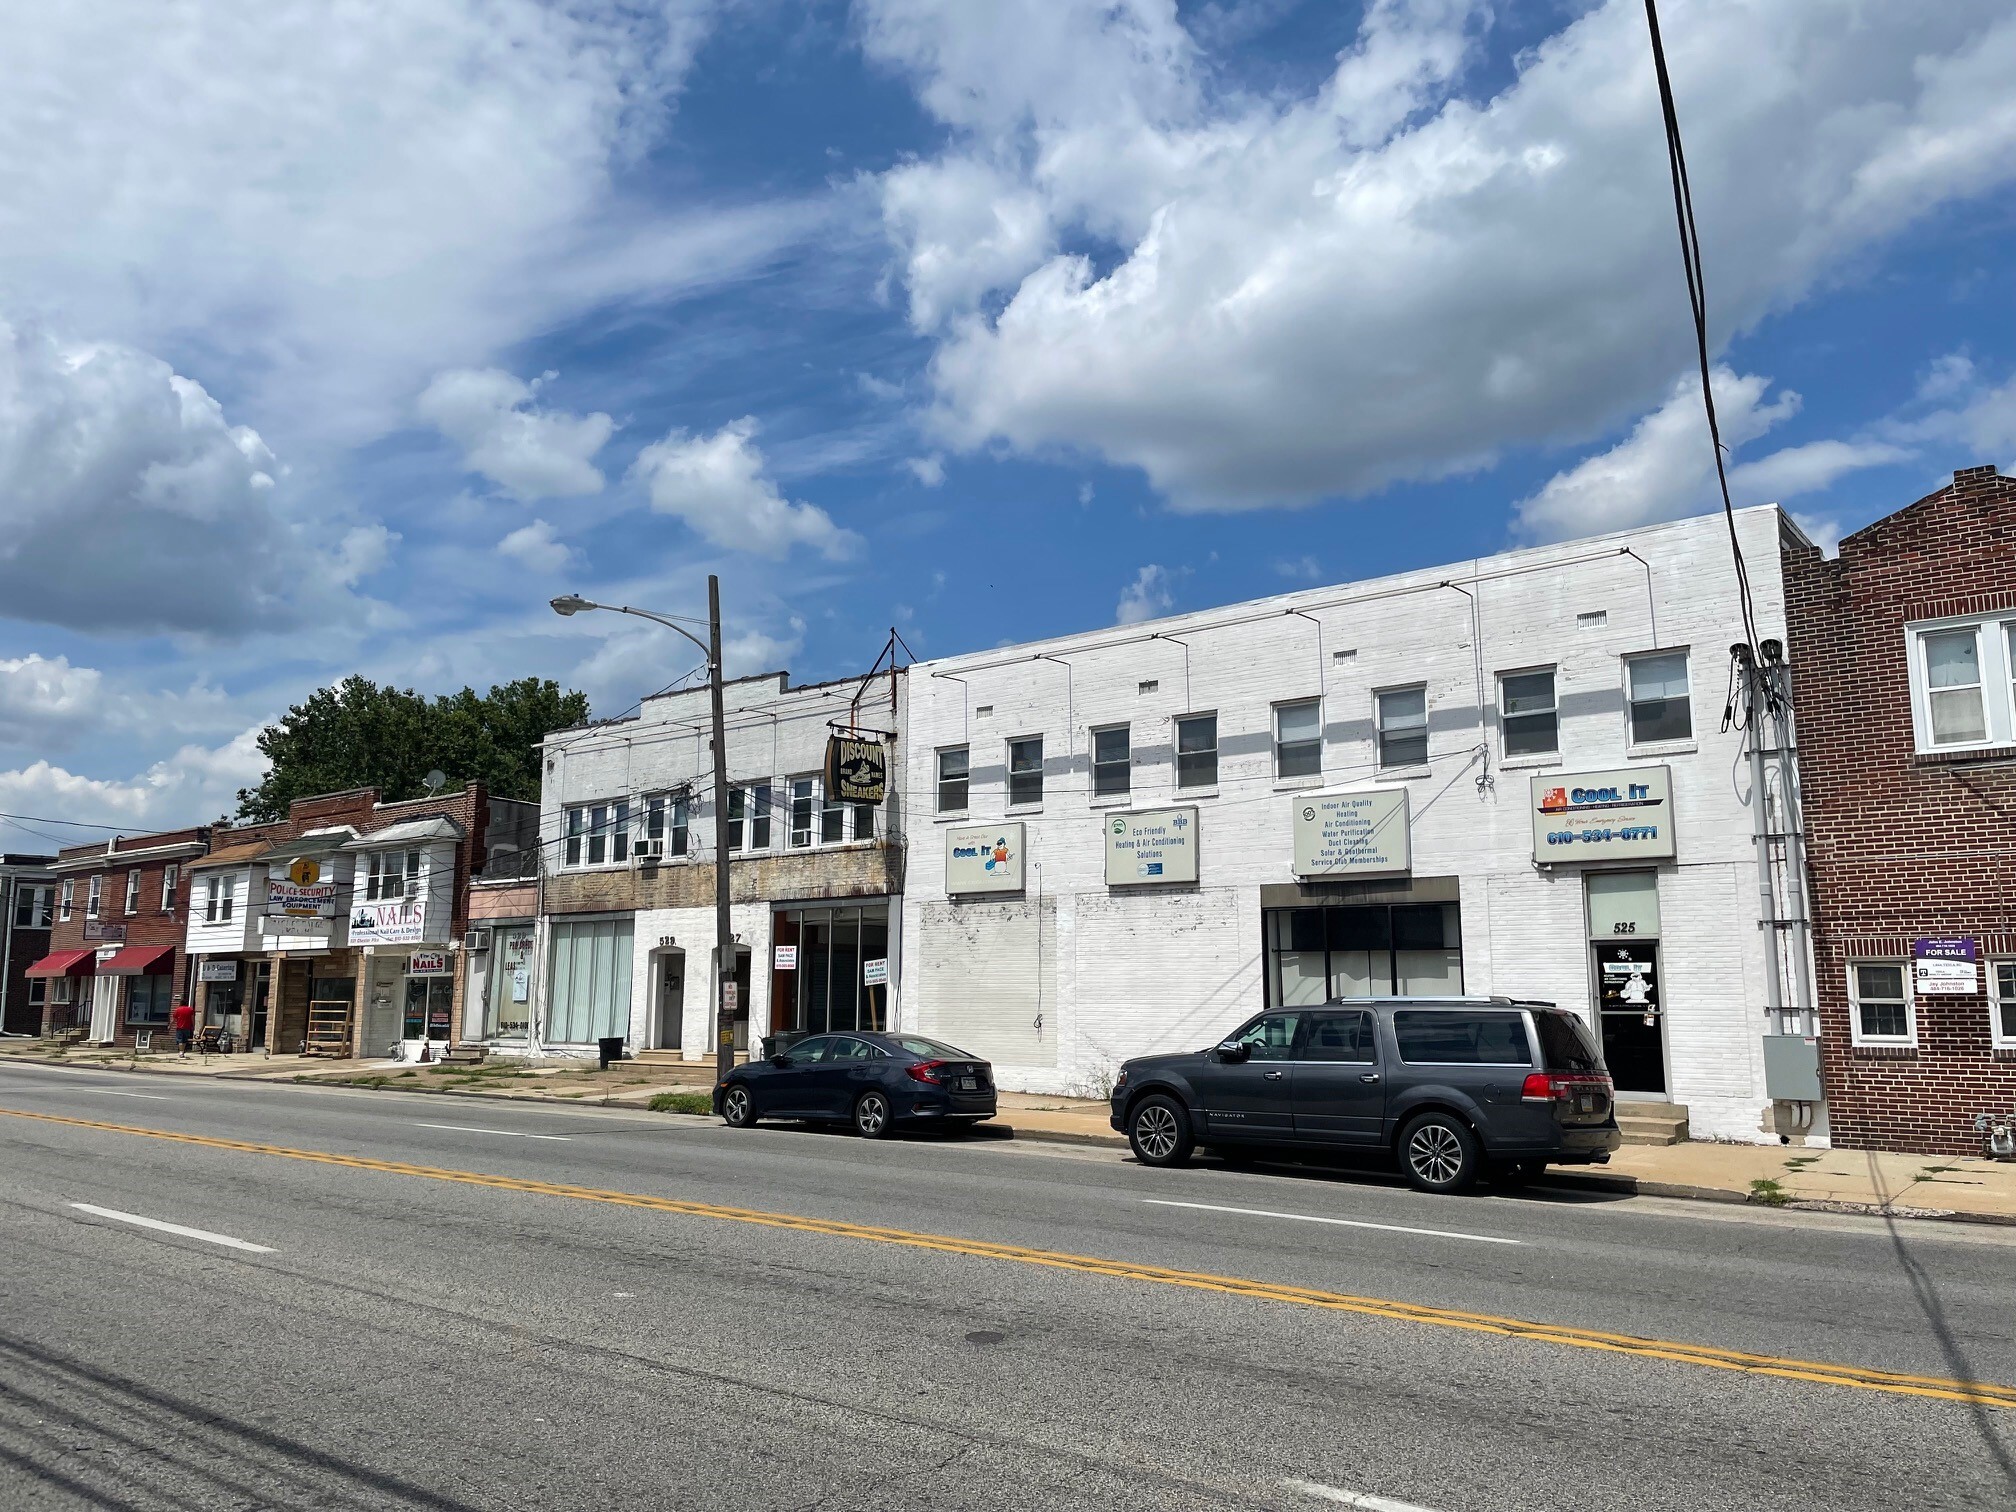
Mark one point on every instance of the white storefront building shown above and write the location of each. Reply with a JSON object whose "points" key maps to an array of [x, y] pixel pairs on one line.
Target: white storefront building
{"points": [[1506, 775], [627, 827]]}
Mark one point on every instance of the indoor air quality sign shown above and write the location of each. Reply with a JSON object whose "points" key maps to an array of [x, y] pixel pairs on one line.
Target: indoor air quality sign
{"points": [[1345, 834], [1151, 846], [1622, 815]]}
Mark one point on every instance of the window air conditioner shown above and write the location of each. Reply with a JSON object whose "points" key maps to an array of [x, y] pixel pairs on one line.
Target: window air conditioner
{"points": [[648, 852], [476, 939]]}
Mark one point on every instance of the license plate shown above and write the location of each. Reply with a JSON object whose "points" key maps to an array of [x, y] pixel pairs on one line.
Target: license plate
{"points": [[1585, 1105], [969, 1084]]}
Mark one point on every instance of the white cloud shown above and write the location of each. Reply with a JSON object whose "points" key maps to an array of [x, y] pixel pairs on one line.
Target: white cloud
{"points": [[333, 203], [537, 547], [45, 697], [194, 785], [533, 453], [131, 504], [930, 471], [1301, 569], [1271, 300], [1978, 417], [717, 484], [632, 662], [1148, 596], [1806, 469]]}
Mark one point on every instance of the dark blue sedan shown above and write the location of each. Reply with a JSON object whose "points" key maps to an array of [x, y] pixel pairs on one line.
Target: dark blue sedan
{"points": [[874, 1081]]}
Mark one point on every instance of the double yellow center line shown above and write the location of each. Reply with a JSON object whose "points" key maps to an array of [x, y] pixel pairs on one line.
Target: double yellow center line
{"points": [[1859, 1377]]}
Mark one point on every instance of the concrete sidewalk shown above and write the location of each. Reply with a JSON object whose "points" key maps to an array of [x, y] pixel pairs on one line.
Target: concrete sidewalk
{"points": [[1914, 1186]]}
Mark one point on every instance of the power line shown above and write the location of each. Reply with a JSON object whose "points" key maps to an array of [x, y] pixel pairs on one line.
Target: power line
{"points": [[1697, 298], [66, 823]]}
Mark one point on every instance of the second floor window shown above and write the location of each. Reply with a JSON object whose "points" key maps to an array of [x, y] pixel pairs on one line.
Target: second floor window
{"points": [[1403, 727], [1197, 751], [91, 899], [1660, 709], [392, 874], [1025, 770], [133, 892], [667, 821], [598, 834], [832, 819], [749, 818], [217, 900], [69, 897], [1955, 692], [1298, 739], [803, 791], [170, 875], [1527, 711], [34, 908], [954, 771], [1112, 761]]}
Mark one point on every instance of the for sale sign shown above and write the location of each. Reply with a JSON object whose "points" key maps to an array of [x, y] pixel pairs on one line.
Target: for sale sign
{"points": [[1948, 967]]}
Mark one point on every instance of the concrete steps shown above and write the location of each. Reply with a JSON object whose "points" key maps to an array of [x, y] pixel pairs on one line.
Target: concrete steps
{"points": [[1652, 1123]]}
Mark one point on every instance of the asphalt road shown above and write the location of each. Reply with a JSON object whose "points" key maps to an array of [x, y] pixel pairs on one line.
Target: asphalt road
{"points": [[397, 1339]]}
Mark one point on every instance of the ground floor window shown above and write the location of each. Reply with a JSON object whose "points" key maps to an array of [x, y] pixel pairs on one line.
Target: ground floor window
{"points": [[509, 990], [1879, 995], [1363, 950], [148, 999], [2003, 1024], [429, 1001], [590, 981], [821, 962]]}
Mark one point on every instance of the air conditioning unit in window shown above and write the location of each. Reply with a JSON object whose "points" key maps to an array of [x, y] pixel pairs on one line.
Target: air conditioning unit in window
{"points": [[647, 852], [476, 939]]}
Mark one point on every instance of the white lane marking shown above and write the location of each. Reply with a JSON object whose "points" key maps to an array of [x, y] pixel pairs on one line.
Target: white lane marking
{"points": [[108, 1092], [472, 1129], [1360, 1499], [1391, 1228], [175, 1228]]}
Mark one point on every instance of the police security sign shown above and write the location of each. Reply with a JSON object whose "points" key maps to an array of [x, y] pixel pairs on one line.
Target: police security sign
{"points": [[1621, 815]]}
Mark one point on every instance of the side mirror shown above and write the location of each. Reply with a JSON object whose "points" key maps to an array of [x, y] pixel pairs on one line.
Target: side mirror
{"points": [[1234, 1051], [780, 1059]]}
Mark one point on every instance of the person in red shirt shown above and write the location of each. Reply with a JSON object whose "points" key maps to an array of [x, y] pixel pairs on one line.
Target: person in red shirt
{"points": [[182, 1019]]}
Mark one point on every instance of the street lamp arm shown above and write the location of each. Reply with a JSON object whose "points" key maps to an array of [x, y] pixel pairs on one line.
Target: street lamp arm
{"points": [[662, 620]]}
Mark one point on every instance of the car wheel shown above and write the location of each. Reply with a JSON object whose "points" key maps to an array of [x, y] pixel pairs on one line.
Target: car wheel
{"points": [[1513, 1174], [871, 1115], [1439, 1153], [738, 1108], [1159, 1131]]}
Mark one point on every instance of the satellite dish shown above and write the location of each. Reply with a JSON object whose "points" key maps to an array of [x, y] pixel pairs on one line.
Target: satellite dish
{"points": [[434, 781]]}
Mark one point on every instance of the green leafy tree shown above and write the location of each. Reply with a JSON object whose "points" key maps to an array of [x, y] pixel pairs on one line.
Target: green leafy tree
{"points": [[357, 734]]}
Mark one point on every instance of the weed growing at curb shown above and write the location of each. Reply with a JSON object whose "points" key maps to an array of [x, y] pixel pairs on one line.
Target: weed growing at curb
{"points": [[682, 1102], [1767, 1191]]}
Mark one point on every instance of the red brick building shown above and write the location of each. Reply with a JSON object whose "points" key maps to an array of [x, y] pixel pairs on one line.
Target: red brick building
{"points": [[115, 965], [1903, 654], [27, 910]]}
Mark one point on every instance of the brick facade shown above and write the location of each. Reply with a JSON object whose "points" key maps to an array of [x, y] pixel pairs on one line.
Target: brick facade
{"points": [[157, 918], [1904, 845], [23, 941]]}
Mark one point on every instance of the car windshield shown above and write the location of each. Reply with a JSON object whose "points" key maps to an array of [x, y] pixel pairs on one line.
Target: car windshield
{"points": [[916, 1044], [1565, 1043]]}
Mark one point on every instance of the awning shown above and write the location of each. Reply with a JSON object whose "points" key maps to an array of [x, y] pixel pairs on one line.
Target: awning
{"points": [[64, 963], [141, 960]]}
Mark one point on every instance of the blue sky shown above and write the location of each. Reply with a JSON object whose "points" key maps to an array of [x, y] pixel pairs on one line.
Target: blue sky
{"points": [[988, 319]]}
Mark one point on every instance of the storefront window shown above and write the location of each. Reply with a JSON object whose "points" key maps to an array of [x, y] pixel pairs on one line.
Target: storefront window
{"points": [[148, 999], [510, 983], [429, 1002], [590, 996], [1364, 950], [822, 988]]}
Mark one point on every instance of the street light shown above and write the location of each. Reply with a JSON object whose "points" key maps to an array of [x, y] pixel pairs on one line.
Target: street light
{"points": [[724, 938]]}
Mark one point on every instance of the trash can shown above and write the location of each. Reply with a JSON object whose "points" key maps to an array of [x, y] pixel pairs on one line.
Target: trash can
{"points": [[611, 1047]]}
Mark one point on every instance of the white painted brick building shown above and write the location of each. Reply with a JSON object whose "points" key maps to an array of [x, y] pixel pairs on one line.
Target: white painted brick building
{"points": [[627, 825], [1062, 977]]}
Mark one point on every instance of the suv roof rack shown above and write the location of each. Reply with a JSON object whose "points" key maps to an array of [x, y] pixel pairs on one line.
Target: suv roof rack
{"points": [[1431, 1000]]}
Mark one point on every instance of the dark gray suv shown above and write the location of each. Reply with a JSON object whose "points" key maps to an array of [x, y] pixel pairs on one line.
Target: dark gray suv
{"points": [[1451, 1087]]}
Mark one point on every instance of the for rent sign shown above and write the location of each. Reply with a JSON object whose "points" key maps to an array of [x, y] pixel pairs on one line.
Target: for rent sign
{"points": [[1622, 815]]}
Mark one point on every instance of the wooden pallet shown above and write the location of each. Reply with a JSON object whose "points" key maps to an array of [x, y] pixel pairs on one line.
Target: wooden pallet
{"points": [[328, 1029]]}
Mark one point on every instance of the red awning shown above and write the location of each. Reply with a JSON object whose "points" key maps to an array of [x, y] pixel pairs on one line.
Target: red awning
{"points": [[63, 963], [141, 960]]}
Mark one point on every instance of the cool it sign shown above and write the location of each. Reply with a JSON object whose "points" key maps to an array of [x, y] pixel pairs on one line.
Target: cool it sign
{"points": [[1623, 815], [984, 859]]}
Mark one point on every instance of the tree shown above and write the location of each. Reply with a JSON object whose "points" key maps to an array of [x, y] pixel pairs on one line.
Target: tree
{"points": [[357, 734]]}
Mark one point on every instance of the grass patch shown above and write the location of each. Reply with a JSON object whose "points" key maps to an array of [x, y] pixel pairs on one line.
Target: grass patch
{"points": [[1767, 1191], [682, 1102], [1800, 1162]]}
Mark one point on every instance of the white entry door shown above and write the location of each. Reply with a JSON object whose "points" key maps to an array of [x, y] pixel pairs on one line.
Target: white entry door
{"points": [[104, 1009]]}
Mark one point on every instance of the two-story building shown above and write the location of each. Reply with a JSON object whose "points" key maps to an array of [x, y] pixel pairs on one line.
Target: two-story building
{"points": [[27, 911], [1903, 656], [340, 930], [627, 828], [1506, 775], [115, 964]]}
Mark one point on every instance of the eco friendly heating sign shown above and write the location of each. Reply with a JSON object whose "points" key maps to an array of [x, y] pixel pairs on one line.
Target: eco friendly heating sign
{"points": [[1344, 834], [1151, 846], [1622, 815]]}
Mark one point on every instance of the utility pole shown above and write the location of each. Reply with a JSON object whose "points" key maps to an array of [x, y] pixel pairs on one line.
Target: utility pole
{"points": [[724, 934]]}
